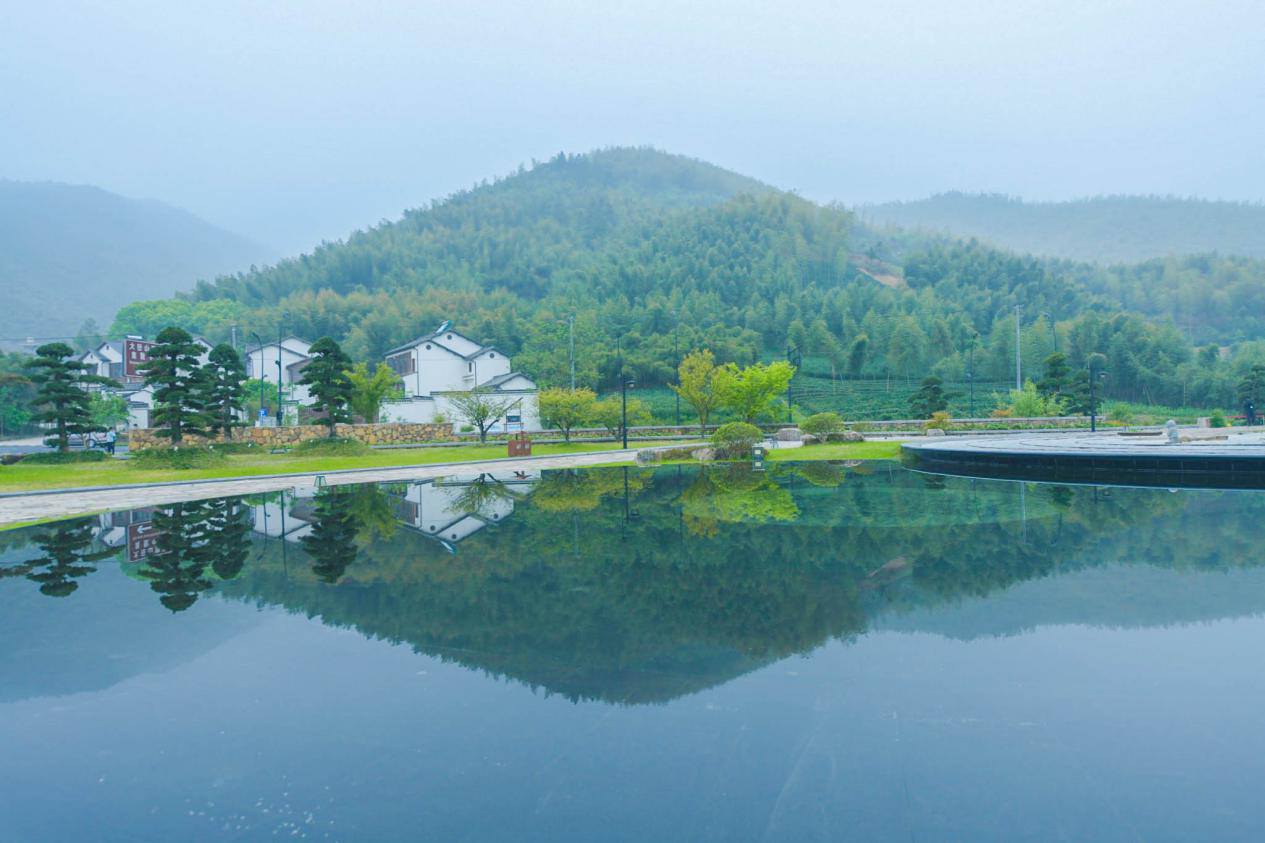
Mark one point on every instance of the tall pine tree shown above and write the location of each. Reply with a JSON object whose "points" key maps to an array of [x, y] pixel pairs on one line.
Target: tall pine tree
{"points": [[60, 397], [179, 385], [326, 378], [222, 379]]}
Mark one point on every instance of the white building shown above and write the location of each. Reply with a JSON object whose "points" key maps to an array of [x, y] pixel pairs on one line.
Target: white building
{"points": [[436, 365], [293, 354], [123, 361]]}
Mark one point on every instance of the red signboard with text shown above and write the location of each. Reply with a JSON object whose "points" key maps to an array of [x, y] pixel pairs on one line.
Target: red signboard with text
{"points": [[142, 541], [135, 356]]}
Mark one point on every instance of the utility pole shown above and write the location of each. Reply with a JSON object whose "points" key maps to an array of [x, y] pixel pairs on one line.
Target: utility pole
{"points": [[676, 355], [1018, 351], [970, 375], [571, 330], [280, 336], [234, 337]]}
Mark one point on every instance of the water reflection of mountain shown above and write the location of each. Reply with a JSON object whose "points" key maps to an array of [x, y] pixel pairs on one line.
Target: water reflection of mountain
{"points": [[639, 585]]}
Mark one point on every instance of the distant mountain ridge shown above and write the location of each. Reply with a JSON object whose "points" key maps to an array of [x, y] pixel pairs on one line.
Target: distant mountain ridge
{"points": [[1107, 229], [73, 252]]}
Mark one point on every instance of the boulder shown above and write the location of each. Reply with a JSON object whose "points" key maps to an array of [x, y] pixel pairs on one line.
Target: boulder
{"points": [[809, 439], [845, 436], [934, 431], [648, 455], [788, 434], [704, 454]]}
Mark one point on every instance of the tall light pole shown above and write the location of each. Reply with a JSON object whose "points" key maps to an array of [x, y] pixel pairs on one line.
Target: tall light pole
{"points": [[624, 386], [261, 376], [970, 372], [1093, 407], [795, 358], [281, 324], [571, 331], [1018, 351], [676, 355]]}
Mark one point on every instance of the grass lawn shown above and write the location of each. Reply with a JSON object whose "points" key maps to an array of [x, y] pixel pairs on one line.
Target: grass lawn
{"points": [[26, 478], [839, 451]]}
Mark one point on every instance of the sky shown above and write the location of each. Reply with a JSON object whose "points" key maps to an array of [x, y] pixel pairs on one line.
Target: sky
{"points": [[293, 122]]}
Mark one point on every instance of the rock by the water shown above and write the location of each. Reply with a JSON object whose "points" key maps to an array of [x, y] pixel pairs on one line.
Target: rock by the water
{"points": [[788, 434], [649, 455], [845, 436], [1170, 429], [704, 454], [809, 439], [934, 431]]}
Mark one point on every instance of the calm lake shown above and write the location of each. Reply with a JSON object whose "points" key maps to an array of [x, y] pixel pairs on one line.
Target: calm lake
{"points": [[816, 652]]}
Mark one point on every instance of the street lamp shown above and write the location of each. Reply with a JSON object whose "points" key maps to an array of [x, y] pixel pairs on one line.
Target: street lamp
{"points": [[970, 371], [280, 336], [261, 370], [795, 358], [1093, 407], [624, 386]]}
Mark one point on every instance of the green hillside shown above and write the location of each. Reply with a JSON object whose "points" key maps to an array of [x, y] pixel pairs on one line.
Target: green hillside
{"points": [[654, 255], [70, 253], [1108, 229]]}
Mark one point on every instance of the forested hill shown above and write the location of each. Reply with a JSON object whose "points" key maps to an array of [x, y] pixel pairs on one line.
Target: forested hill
{"points": [[69, 253], [1106, 229], [655, 254]]}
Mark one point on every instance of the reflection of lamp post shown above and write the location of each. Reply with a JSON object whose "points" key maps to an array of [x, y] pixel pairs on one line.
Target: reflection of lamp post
{"points": [[261, 371], [624, 386]]}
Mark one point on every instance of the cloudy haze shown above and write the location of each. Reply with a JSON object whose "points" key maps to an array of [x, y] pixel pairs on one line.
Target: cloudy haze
{"points": [[293, 122]]}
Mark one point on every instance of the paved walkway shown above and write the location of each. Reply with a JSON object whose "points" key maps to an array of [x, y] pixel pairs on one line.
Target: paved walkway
{"points": [[1196, 442], [66, 503]]}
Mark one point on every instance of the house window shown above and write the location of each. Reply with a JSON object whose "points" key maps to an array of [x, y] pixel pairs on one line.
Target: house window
{"points": [[491, 355], [450, 336], [428, 346], [469, 367]]}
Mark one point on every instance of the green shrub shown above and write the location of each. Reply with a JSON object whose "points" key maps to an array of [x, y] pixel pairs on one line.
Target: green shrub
{"points": [[330, 448], [822, 424], [736, 439], [1029, 403], [939, 420], [178, 458], [1118, 412], [1217, 419], [58, 458]]}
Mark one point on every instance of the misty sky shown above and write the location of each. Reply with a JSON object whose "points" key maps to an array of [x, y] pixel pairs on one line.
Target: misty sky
{"points": [[296, 121]]}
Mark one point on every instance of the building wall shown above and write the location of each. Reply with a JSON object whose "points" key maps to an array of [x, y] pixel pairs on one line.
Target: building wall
{"points": [[268, 372], [274, 437]]}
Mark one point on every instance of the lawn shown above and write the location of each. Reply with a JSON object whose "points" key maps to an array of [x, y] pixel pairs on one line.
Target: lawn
{"points": [[26, 478], [839, 451]]}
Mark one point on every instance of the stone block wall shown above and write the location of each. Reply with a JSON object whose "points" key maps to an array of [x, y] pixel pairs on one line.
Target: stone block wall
{"points": [[280, 437]]}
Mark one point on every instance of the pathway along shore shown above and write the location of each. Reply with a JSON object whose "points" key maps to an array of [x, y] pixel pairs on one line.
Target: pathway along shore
{"points": [[20, 507]]}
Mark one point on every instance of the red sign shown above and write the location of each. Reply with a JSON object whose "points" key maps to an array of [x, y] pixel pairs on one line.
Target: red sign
{"points": [[142, 540], [135, 356]]}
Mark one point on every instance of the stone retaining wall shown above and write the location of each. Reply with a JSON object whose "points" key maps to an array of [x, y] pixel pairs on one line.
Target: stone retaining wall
{"points": [[277, 437]]}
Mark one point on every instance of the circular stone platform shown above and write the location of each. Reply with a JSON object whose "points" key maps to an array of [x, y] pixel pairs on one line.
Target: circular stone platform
{"points": [[1207, 458]]}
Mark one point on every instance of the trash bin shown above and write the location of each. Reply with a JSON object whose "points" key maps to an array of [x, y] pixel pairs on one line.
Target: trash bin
{"points": [[520, 446]]}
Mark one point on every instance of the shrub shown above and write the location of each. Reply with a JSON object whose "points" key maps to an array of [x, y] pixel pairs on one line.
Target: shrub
{"points": [[237, 448], [58, 458], [1118, 412], [939, 420], [1029, 403], [178, 458], [736, 439], [822, 424], [1217, 419], [325, 447], [1001, 413]]}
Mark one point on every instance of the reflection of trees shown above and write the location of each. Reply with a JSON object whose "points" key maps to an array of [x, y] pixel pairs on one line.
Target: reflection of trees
{"points": [[183, 550], [482, 492], [67, 557], [371, 510], [228, 533], [733, 494], [332, 541], [572, 490], [819, 472]]}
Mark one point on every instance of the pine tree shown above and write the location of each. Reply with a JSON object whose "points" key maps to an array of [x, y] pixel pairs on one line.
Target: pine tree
{"points": [[61, 398], [326, 378], [179, 385], [929, 399], [222, 381]]}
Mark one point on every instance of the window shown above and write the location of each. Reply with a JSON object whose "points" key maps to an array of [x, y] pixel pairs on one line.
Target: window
{"points": [[469, 367], [428, 346], [491, 355], [450, 336]]}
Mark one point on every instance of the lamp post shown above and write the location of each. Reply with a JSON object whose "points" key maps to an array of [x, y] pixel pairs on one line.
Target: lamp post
{"points": [[1054, 333], [970, 372], [280, 336], [1093, 407], [261, 372], [795, 358], [624, 386], [1018, 350], [676, 355]]}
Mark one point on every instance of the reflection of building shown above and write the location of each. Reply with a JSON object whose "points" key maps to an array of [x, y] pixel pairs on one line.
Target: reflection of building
{"points": [[290, 516], [450, 509]]}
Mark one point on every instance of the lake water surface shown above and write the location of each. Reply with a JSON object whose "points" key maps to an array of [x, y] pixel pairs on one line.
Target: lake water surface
{"points": [[817, 652]]}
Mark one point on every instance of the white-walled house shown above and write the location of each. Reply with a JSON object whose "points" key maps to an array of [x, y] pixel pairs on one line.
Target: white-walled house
{"points": [[123, 361], [436, 365], [261, 363]]}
